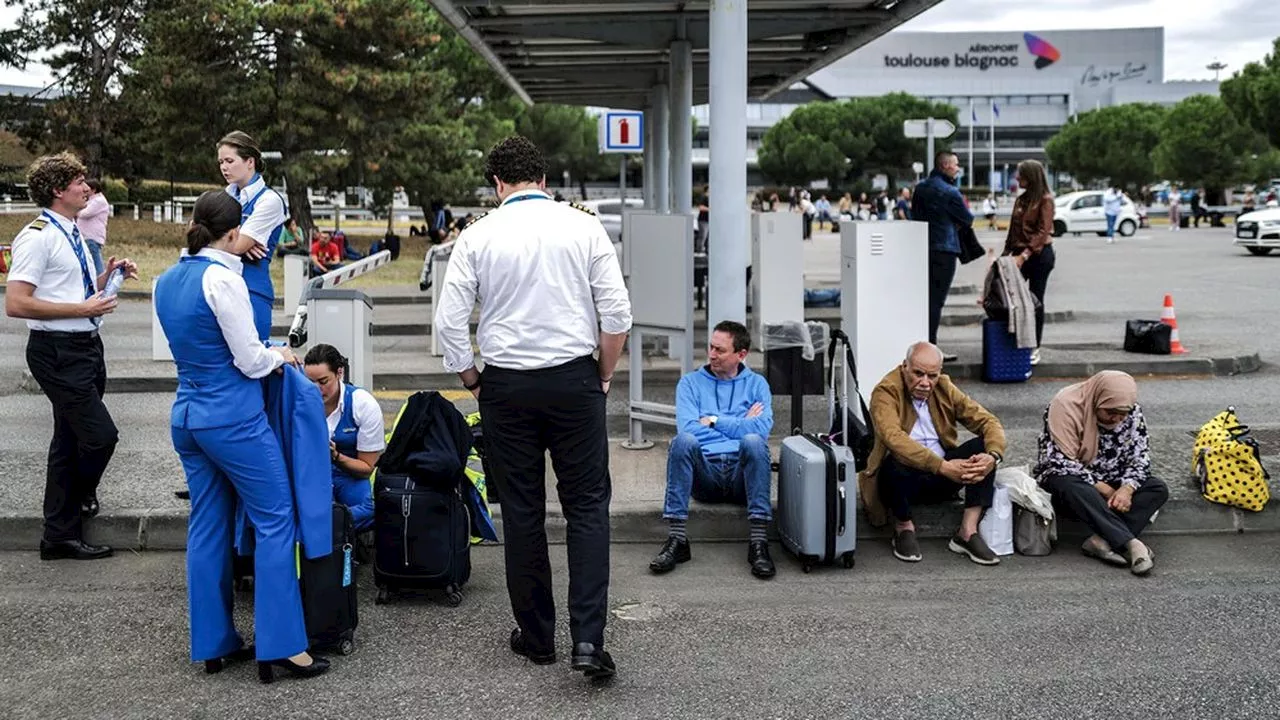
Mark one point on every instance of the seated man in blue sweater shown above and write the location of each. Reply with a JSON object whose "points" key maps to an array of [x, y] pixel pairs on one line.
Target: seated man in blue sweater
{"points": [[724, 413]]}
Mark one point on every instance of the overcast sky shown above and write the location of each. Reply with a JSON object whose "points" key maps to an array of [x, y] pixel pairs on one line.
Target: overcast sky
{"points": [[1196, 32]]}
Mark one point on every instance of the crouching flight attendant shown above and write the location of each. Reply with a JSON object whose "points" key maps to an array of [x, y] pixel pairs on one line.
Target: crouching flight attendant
{"points": [[263, 214], [356, 438], [228, 451]]}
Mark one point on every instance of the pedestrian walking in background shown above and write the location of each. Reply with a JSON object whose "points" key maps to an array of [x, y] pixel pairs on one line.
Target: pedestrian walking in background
{"points": [[92, 222], [989, 210], [1030, 237], [1112, 204], [938, 202], [1175, 209], [52, 286], [551, 295]]}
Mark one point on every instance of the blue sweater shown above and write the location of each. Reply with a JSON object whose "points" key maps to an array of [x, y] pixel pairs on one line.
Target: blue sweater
{"points": [[700, 393]]}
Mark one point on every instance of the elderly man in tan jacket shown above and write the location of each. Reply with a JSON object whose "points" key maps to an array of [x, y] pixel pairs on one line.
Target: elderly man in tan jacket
{"points": [[918, 459]]}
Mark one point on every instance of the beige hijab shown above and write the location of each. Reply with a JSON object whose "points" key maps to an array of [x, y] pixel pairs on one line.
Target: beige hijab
{"points": [[1073, 421]]}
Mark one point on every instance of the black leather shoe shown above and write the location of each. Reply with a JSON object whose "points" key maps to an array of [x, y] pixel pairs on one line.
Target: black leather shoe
{"points": [[593, 662], [267, 673], [72, 550], [90, 507], [675, 551], [520, 647], [758, 558], [216, 665]]}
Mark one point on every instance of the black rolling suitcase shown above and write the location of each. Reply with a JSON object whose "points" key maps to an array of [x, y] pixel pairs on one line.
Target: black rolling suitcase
{"points": [[329, 598], [422, 538]]}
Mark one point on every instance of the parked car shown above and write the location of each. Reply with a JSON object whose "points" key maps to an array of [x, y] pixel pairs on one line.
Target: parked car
{"points": [[1259, 231], [609, 210], [1079, 212]]}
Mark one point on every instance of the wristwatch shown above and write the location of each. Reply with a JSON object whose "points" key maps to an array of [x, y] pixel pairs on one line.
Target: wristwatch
{"points": [[999, 458]]}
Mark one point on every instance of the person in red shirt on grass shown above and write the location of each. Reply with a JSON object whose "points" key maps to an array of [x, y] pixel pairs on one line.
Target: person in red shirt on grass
{"points": [[325, 255]]}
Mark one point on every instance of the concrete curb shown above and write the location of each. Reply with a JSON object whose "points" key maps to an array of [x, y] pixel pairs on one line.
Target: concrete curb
{"points": [[131, 529], [668, 376]]}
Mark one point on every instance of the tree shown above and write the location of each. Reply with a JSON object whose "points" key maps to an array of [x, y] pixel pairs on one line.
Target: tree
{"points": [[1114, 143], [1253, 94], [850, 139], [91, 42], [1202, 143], [569, 139]]}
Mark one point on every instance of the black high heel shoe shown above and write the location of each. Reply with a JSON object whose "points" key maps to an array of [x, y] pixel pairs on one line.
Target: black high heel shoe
{"points": [[267, 675], [216, 665]]}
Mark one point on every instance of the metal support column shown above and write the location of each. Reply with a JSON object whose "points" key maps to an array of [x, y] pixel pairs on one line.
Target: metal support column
{"points": [[661, 149], [647, 176], [682, 127], [727, 247]]}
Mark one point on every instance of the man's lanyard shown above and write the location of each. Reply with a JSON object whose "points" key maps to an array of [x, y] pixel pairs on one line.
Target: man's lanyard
{"points": [[76, 246], [522, 198]]}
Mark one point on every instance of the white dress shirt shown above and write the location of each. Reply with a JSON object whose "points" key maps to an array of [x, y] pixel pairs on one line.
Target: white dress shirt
{"points": [[924, 431], [370, 435], [228, 298], [44, 257], [269, 212], [548, 281]]}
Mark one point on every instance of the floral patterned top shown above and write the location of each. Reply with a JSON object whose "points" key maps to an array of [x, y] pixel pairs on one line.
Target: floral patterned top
{"points": [[1123, 455]]}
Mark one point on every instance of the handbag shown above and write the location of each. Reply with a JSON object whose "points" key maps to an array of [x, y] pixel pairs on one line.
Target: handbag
{"points": [[1033, 535], [970, 248], [1151, 337], [852, 430], [1228, 464], [993, 296]]}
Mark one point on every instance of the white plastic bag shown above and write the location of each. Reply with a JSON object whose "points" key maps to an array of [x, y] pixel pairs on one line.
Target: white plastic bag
{"points": [[1024, 490], [996, 527]]}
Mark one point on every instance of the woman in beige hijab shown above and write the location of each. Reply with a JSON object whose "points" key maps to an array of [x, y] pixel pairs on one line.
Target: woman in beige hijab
{"points": [[1094, 460]]}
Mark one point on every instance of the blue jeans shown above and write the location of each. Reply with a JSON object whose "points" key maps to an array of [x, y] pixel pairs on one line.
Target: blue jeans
{"points": [[1111, 225], [95, 251], [741, 479]]}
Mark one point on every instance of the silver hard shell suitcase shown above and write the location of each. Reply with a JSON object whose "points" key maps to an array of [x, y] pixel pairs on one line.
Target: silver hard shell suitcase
{"points": [[817, 499]]}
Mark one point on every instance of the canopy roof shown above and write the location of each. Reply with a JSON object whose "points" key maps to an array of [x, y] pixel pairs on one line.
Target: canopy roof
{"points": [[609, 53]]}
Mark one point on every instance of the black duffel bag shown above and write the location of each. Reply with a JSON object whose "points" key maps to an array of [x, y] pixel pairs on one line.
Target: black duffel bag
{"points": [[1150, 337]]}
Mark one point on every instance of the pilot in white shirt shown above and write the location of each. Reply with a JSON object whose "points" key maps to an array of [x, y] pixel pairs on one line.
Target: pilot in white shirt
{"points": [[53, 284], [551, 294]]}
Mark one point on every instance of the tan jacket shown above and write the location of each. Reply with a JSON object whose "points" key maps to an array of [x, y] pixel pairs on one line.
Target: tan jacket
{"points": [[894, 416]]}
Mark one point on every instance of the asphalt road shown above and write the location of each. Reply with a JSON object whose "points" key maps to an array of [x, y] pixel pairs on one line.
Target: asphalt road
{"points": [[1055, 637]]}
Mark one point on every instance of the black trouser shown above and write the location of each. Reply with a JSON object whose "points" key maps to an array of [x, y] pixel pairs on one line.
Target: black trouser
{"points": [[524, 414], [902, 486], [73, 375], [1074, 497], [942, 270], [1036, 270]]}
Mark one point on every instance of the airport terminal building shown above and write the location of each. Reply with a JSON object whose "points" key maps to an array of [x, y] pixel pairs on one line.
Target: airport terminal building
{"points": [[1035, 80]]}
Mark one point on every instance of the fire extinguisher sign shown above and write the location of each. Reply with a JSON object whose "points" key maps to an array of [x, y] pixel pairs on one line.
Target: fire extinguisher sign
{"points": [[622, 132]]}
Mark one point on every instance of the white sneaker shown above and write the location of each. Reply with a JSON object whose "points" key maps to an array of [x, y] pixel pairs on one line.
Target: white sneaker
{"points": [[1111, 241], [1035, 356]]}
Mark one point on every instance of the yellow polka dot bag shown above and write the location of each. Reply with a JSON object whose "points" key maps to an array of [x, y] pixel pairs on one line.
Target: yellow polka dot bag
{"points": [[1228, 463]]}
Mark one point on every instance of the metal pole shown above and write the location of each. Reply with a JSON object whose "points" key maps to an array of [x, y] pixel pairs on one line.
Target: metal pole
{"points": [[662, 149], [929, 140], [682, 127], [622, 181], [971, 117], [647, 159], [992, 140], [728, 245]]}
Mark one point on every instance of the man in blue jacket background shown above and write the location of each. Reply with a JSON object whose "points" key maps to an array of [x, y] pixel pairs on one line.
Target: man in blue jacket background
{"points": [[724, 413], [938, 202]]}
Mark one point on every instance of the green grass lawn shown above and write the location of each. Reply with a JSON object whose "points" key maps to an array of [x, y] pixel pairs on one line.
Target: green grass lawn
{"points": [[155, 246]]}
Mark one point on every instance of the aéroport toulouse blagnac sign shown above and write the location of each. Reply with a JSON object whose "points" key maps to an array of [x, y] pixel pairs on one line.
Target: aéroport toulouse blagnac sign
{"points": [[984, 56]]}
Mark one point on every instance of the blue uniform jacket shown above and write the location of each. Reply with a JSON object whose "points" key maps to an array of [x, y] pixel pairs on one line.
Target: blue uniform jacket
{"points": [[938, 202], [296, 414]]}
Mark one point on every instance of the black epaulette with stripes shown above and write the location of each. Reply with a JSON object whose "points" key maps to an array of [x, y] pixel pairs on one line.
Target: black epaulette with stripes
{"points": [[580, 206]]}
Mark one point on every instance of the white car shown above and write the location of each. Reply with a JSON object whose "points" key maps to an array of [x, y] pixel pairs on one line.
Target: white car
{"points": [[1259, 231], [610, 213], [1079, 212]]}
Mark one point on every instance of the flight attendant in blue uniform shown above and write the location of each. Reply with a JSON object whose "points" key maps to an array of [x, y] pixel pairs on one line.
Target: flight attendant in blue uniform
{"points": [[263, 215], [356, 431], [228, 451]]}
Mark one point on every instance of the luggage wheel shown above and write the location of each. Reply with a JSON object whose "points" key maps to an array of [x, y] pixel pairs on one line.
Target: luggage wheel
{"points": [[847, 560], [383, 597], [807, 567], [453, 596], [347, 646]]}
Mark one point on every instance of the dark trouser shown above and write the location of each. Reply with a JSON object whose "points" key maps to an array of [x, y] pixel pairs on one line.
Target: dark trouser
{"points": [[942, 270], [73, 375], [1075, 497], [524, 414], [1036, 270], [901, 486]]}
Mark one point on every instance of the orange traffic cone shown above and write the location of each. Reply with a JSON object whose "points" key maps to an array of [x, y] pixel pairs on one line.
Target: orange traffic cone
{"points": [[1170, 318]]}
